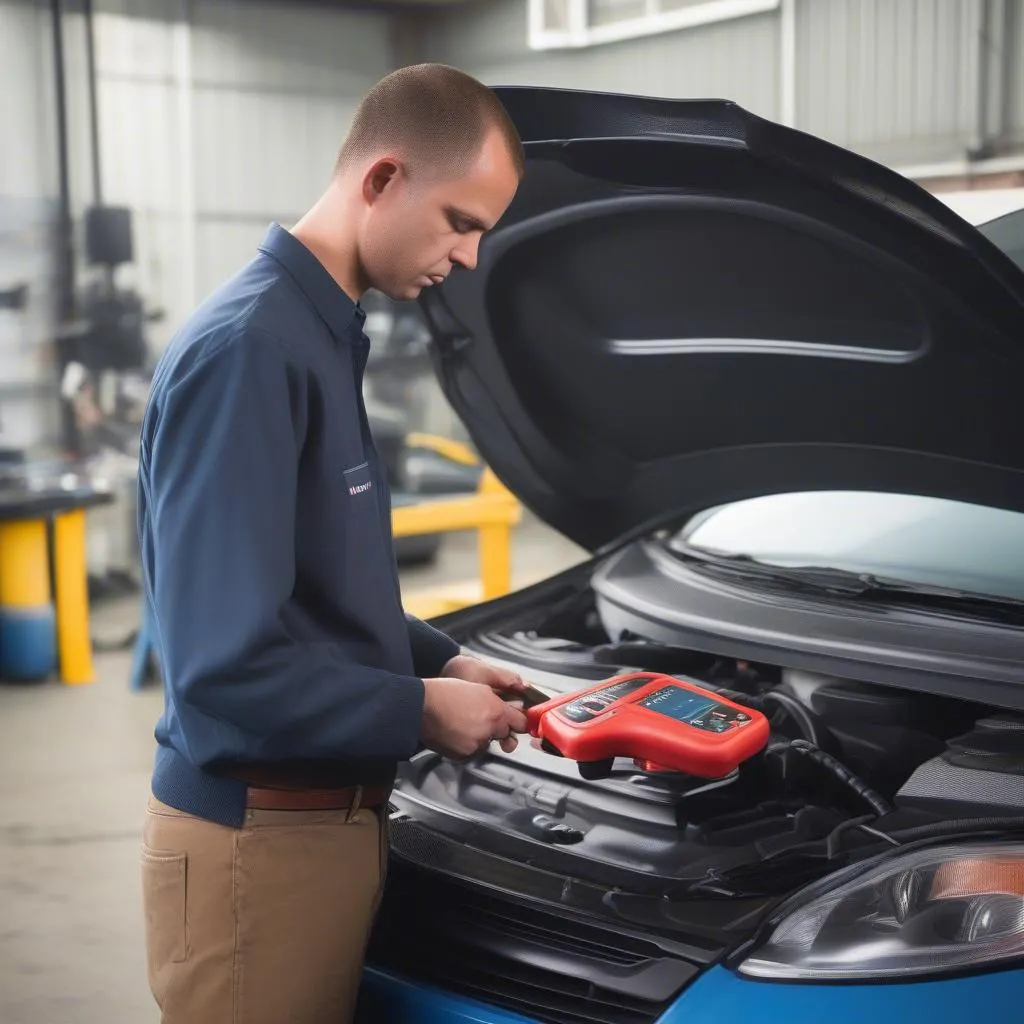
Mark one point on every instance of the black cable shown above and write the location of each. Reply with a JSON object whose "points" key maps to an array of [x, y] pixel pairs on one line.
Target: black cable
{"points": [[748, 700], [959, 826], [809, 724], [838, 770], [812, 731]]}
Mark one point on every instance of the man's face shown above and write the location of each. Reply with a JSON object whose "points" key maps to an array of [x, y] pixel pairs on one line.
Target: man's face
{"points": [[414, 231]]}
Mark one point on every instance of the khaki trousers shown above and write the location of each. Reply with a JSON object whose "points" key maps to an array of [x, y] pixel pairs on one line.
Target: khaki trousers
{"points": [[266, 924]]}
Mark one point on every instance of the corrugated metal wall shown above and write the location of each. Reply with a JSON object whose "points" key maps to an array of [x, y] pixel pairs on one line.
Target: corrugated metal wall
{"points": [[28, 186], [140, 132], [869, 72], [27, 149], [273, 97], [215, 118], [895, 79], [1014, 62], [218, 117], [737, 60]]}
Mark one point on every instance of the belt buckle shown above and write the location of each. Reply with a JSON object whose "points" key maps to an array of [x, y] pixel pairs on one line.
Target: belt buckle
{"points": [[353, 809]]}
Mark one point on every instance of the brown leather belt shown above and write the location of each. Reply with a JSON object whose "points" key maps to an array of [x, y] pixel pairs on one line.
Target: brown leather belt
{"points": [[350, 798]]}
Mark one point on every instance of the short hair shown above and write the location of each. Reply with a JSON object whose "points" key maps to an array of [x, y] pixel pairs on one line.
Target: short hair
{"points": [[435, 116]]}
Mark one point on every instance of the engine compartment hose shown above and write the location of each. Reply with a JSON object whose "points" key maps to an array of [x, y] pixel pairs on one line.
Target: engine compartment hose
{"points": [[810, 725], [838, 770], [749, 700], [814, 731]]}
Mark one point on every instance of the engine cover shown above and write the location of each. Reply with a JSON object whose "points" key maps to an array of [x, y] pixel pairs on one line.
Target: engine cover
{"points": [[980, 774]]}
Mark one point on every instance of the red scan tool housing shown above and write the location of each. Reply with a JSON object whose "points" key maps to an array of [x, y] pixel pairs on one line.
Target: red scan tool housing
{"points": [[662, 722]]}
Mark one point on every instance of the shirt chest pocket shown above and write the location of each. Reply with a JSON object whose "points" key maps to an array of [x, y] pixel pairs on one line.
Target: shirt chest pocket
{"points": [[363, 504], [366, 548], [361, 487]]}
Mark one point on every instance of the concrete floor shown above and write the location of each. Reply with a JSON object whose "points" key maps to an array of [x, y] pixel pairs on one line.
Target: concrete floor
{"points": [[75, 768]]}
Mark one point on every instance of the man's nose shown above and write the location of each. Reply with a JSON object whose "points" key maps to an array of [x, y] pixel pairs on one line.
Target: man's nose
{"points": [[466, 254]]}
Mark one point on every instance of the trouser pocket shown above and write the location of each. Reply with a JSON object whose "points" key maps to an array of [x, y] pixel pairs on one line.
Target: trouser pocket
{"points": [[164, 895]]}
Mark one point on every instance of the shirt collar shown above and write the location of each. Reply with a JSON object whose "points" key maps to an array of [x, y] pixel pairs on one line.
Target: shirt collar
{"points": [[344, 318]]}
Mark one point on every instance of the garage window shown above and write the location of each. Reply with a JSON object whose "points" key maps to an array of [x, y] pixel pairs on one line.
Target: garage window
{"points": [[563, 24]]}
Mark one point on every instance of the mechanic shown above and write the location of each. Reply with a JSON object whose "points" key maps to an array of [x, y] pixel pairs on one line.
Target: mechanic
{"points": [[294, 682]]}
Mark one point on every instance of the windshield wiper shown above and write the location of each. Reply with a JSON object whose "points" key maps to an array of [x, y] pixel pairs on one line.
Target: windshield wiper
{"points": [[862, 586]]}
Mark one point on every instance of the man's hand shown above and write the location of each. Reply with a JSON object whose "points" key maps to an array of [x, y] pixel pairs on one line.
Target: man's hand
{"points": [[461, 718], [473, 670]]}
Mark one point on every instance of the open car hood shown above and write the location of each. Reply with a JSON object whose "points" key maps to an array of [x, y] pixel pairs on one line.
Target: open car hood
{"points": [[687, 305]]}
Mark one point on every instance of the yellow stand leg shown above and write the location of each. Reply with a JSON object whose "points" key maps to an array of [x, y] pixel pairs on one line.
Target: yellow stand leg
{"points": [[495, 541], [495, 561], [72, 598]]}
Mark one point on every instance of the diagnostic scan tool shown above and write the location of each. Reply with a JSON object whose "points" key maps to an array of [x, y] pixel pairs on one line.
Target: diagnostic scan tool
{"points": [[662, 722]]}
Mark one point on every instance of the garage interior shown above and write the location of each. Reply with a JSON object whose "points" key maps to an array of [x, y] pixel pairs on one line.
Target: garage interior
{"points": [[147, 144]]}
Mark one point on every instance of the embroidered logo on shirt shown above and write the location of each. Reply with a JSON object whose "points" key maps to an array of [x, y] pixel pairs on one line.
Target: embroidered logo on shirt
{"points": [[362, 470]]}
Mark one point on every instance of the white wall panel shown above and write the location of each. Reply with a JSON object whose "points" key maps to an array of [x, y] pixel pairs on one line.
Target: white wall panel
{"points": [[132, 38], [212, 127], [1015, 73], [263, 154], [895, 80], [139, 128], [28, 187], [736, 60], [222, 248], [288, 47], [27, 132], [274, 87]]}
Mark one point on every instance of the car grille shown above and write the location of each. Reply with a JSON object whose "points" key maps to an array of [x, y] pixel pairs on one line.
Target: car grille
{"points": [[551, 966]]}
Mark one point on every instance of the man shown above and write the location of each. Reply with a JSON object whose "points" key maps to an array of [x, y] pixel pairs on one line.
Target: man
{"points": [[294, 681]]}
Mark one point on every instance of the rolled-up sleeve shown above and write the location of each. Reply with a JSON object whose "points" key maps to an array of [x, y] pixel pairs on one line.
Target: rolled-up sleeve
{"points": [[223, 464]]}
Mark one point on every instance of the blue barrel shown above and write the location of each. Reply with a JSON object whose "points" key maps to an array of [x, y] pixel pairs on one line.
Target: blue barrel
{"points": [[28, 644], [28, 633]]}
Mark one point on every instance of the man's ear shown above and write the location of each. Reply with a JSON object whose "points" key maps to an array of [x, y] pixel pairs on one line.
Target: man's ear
{"points": [[379, 177]]}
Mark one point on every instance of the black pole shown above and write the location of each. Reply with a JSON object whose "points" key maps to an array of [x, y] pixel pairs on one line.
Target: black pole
{"points": [[64, 342], [65, 241], [94, 121]]}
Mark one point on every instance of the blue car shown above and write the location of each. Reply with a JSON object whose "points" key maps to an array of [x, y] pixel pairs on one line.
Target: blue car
{"points": [[775, 390]]}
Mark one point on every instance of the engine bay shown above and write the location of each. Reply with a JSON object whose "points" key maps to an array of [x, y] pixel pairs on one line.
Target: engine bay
{"points": [[850, 769]]}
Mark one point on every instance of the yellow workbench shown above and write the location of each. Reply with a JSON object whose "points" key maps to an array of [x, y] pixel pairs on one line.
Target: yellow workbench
{"points": [[492, 511], [43, 562]]}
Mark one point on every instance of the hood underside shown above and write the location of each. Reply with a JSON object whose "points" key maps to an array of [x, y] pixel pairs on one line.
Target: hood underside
{"points": [[687, 305]]}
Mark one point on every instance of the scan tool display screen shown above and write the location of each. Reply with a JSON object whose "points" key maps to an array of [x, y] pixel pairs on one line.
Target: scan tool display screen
{"points": [[694, 709]]}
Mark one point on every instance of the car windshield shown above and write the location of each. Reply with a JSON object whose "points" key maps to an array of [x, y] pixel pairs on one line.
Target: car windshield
{"points": [[921, 541], [916, 540]]}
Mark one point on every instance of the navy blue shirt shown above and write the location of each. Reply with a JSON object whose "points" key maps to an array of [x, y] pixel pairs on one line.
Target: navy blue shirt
{"points": [[265, 532]]}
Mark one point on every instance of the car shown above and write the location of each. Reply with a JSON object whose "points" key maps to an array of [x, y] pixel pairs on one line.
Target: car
{"points": [[773, 388]]}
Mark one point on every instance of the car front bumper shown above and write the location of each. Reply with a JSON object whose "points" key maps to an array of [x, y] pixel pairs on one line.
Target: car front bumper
{"points": [[720, 997]]}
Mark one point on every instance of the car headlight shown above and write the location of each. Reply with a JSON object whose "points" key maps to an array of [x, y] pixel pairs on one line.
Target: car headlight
{"points": [[922, 912]]}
